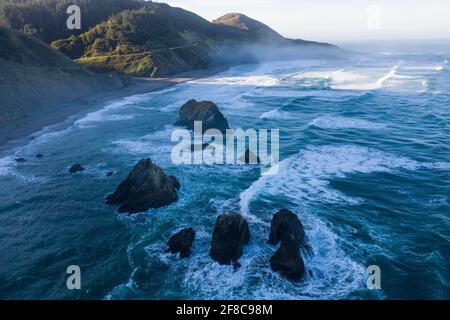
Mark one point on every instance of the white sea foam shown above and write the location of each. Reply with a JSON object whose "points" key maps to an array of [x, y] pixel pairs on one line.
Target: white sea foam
{"points": [[351, 79], [157, 143], [107, 112], [387, 76], [8, 167], [257, 81], [102, 114], [337, 122], [173, 106], [317, 74], [357, 81], [306, 175], [276, 114], [333, 273], [424, 68]]}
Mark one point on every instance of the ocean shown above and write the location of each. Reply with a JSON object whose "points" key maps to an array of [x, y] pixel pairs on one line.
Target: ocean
{"points": [[365, 164]]}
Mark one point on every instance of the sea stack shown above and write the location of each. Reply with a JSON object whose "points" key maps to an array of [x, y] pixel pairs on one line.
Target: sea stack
{"points": [[182, 242], [230, 234], [287, 229], [204, 111], [146, 186]]}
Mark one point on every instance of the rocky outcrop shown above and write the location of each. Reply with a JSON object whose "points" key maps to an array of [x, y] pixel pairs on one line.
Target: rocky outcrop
{"points": [[147, 186], [230, 235], [76, 168], [287, 229], [182, 242], [204, 111], [287, 262]]}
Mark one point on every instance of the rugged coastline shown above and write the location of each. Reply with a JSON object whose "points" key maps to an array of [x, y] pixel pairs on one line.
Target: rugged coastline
{"points": [[20, 131]]}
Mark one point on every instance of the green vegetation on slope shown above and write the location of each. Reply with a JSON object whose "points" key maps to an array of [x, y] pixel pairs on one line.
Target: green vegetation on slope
{"points": [[34, 77], [46, 19], [155, 40], [159, 40], [143, 38]]}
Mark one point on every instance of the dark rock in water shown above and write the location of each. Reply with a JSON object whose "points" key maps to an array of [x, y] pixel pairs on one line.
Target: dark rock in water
{"points": [[287, 229], [147, 186], [286, 226], [231, 233], [250, 158], [110, 173], [182, 242], [288, 262], [76, 168], [204, 111], [20, 160], [39, 155]]}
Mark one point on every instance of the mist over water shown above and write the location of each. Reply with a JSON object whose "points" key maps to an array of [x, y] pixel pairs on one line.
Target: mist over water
{"points": [[364, 164]]}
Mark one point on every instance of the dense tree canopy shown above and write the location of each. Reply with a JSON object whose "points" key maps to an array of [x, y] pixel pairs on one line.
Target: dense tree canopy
{"points": [[46, 19]]}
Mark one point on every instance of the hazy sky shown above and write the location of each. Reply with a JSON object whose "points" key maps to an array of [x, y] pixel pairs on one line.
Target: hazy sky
{"points": [[337, 20]]}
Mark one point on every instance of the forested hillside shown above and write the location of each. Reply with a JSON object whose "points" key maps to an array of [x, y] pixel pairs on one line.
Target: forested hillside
{"points": [[144, 38], [160, 40], [46, 19]]}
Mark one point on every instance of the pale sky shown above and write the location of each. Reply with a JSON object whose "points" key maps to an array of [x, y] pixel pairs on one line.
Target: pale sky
{"points": [[337, 20]]}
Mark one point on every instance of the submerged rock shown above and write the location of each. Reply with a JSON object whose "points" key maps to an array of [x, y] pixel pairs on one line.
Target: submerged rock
{"points": [[76, 168], [109, 174], [20, 160], [182, 242], [230, 234], [204, 111], [287, 229], [39, 155], [146, 186], [250, 158]]}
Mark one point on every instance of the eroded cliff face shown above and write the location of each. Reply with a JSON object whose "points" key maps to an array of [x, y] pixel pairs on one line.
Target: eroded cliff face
{"points": [[34, 77]]}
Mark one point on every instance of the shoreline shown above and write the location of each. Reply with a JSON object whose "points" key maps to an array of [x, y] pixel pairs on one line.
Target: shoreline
{"points": [[22, 131]]}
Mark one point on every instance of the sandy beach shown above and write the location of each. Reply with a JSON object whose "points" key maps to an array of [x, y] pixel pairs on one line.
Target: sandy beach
{"points": [[21, 131]]}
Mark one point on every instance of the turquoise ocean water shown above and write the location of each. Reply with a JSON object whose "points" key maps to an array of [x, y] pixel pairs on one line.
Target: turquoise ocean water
{"points": [[365, 163]]}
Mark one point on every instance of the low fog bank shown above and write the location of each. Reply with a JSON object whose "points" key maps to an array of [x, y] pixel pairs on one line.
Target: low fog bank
{"points": [[398, 46], [255, 53]]}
